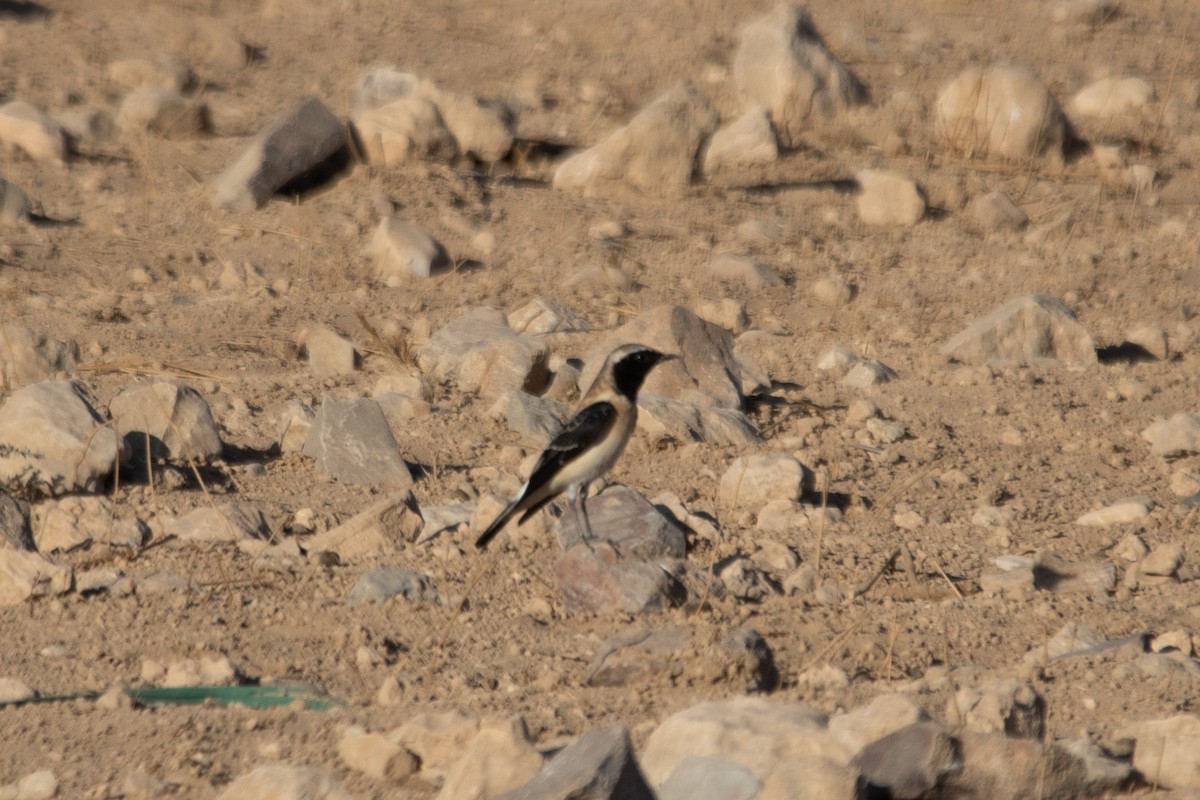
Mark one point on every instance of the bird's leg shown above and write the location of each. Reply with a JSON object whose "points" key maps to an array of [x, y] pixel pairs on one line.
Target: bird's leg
{"points": [[577, 494]]}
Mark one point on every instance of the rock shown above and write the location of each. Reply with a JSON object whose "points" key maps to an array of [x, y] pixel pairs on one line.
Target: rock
{"points": [[837, 358], [305, 137], [379, 529], [812, 778], [228, 522], [1052, 574], [535, 419], [752, 662], [755, 733], [376, 756], [438, 740], [1167, 751], [662, 417], [383, 583], [160, 71], [479, 352], [1119, 513], [405, 129], [1026, 328], [88, 126], [752, 481], [28, 357], [995, 766], [1092, 13], [744, 579], [782, 63], [295, 424], [908, 763], [1072, 638], [629, 521], [15, 531], [78, 521], [1000, 112], [164, 112], [40, 785], [706, 373], [995, 211], [53, 441], [655, 153], [24, 575], [499, 759], [449, 516], [206, 671], [14, 691], [14, 208], [1011, 707], [638, 657], [597, 579], [868, 372], [753, 273], [600, 765], [33, 132], [748, 140], [698, 778], [1163, 560], [403, 251], [1110, 97], [888, 198], [884, 715], [545, 315], [329, 353], [832, 291], [1152, 339], [482, 128], [282, 782], [176, 418], [1177, 436], [352, 443]]}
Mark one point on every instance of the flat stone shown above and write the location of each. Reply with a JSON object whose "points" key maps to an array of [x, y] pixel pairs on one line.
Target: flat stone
{"points": [[351, 442], [438, 739], [748, 140], [629, 521], [1000, 112], [884, 715], [888, 199], [751, 272], [14, 691], [228, 522], [176, 418], [383, 583], [329, 353], [545, 315], [379, 529], [164, 112], [752, 481], [403, 251], [535, 419], [33, 132], [53, 441], [996, 766], [297, 142], [699, 778], [1163, 560], [482, 128], [1109, 97], [28, 356], [24, 575], [499, 759], [662, 417], [1119, 513], [1177, 436], [868, 372], [1167, 751], [1024, 329], [282, 782], [159, 71], [79, 521], [655, 153], [597, 580], [782, 63], [812, 778], [600, 765], [479, 352]]}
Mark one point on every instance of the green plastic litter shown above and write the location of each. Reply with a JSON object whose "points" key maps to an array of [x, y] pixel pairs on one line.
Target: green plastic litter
{"points": [[251, 695]]}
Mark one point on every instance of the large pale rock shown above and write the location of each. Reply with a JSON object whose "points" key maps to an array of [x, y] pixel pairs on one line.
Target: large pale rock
{"points": [[28, 356], [884, 715], [782, 63], [228, 522], [299, 141], [661, 416], [438, 739], [375, 755], [176, 418], [14, 206], [656, 152], [329, 353], [710, 779], [1177, 436], [752, 481], [908, 763], [888, 199], [1109, 97], [405, 129], [160, 71], [1167, 752], [379, 529], [79, 521], [479, 352], [1003, 768], [53, 441], [352, 443], [749, 139], [24, 575], [1024, 329], [498, 759], [164, 112], [1000, 112], [33, 132], [1118, 513], [1011, 707], [756, 733], [403, 251], [600, 765], [812, 778], [706, 373], [283, 782], [482, 128]]}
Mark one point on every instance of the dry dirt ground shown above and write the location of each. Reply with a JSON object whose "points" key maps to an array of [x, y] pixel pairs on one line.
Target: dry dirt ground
{"points": [[126, 262]]}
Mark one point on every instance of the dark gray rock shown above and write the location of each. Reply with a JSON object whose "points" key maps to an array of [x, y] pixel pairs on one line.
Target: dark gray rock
{"points": [[177, 419], [598, 766], [909, 763], [629, 521], [352, 443], [383, 583], [15, 531], [596, 579], [294, 144]]}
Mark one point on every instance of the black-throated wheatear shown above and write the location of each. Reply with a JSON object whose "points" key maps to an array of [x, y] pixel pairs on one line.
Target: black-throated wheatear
{"points": [[591, 441]]}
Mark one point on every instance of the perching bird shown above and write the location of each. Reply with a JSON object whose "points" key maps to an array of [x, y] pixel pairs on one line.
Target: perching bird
{"points": [[590, 443]]}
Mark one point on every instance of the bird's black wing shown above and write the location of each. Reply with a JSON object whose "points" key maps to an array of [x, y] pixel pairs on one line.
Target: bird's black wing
{"points": [[588, 427]]}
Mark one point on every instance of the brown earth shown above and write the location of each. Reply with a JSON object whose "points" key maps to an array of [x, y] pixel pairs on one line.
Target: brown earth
{"points": [[1118, 259]]}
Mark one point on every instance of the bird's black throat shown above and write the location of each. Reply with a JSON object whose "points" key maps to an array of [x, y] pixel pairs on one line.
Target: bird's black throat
{"points": [[630, 372]]}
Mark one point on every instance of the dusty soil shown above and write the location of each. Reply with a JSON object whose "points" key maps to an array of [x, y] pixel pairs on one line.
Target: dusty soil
{"points": [[126, 262]]}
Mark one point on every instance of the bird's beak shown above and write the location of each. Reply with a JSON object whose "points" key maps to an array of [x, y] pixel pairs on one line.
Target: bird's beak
{"points": [[669, 357]]}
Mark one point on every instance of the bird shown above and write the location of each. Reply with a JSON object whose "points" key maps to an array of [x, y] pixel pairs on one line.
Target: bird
{"points": [[589, 443]]}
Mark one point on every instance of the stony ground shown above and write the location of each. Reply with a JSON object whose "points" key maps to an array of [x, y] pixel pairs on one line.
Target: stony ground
{"points": [[129, 258]]}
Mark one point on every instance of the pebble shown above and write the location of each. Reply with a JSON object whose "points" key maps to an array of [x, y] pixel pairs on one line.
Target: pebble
{"points": [[1164, 560], [376, 756], [751, 482], [995, 211], [1119, 513], [1177, 436], [383, 583], [403, 251], [329, 353], [888, 198], [14, 691], [832, 291], [164, 112], [868, 372], [1109, 97]]}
